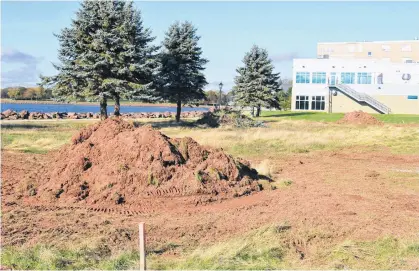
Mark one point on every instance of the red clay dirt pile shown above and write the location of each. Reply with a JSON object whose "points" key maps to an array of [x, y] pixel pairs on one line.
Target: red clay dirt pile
{"points": [[113, 162], [359, 117]]}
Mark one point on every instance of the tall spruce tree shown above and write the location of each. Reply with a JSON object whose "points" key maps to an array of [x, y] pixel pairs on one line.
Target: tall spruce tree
{"points": [[180, 78], [105, 54], [257, 84]]}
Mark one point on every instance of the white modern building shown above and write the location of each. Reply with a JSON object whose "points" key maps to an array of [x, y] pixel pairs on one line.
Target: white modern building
{"points": [[345, 85]]}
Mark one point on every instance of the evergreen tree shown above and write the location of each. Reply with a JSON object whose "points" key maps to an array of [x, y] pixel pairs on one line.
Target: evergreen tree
{"points": [[180, 78], [257, 84], [105, 54]]}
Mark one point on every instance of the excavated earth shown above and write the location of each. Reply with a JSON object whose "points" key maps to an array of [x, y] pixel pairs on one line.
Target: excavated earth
{"points": [[359, 117], [114, 163]]}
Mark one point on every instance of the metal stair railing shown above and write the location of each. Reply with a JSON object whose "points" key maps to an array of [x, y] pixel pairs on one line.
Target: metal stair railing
{"points": [[362, 97]]}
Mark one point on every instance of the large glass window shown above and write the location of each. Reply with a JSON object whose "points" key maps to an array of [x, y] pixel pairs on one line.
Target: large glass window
{"points": [[303, 78], [317, 103], [332, 80], [319, 78], [364, 78], [348, 77], [301, 103]]}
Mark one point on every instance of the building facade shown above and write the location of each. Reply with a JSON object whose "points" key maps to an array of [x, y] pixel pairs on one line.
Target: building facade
{"points": [[345, 85], [391, 51]]}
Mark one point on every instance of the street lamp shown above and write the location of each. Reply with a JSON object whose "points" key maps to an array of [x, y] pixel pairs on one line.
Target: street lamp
{"points": [[221, 86]]}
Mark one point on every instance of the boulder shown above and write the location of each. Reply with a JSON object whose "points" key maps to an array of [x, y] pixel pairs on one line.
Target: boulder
{"points": [[24, 114], [72, 115], [8, 113]]}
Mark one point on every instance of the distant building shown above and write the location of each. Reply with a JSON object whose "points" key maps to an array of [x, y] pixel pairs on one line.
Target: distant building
{"points": [[345, 83], [393, 51]]}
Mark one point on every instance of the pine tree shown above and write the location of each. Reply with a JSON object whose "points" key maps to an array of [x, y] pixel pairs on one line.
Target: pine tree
{"points": [[105, 54], [180, 78], [257, 84]]}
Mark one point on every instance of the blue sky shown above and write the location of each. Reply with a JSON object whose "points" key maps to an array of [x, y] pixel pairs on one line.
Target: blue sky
{"points": [[228, 29]]}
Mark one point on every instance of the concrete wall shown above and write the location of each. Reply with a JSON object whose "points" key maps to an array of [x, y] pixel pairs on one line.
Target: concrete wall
{"points": [[393, 51], [398, 104]]}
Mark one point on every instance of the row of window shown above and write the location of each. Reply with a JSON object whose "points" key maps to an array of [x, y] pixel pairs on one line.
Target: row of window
{"points": [[345, 78], [359, 48], [303, 102]]}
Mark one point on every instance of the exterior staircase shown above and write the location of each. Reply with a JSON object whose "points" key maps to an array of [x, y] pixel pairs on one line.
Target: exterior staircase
{"points": [[362, 97]]}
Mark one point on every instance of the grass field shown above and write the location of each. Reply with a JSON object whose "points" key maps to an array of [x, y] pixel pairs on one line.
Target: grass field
{"points": [[268, 246], [284, 135], [331, 117]]}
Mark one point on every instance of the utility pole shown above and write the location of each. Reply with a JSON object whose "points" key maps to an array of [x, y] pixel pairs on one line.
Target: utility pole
{"points": [[221, 87]]}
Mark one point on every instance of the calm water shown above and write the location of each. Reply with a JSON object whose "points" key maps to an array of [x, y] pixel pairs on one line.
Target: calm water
{"points": [[91, 108]]}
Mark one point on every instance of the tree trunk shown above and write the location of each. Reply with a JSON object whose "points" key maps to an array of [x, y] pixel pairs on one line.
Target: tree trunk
{"points": [[178, 110], [258, 109], [117, 107], [252, 112], [103, 108]]}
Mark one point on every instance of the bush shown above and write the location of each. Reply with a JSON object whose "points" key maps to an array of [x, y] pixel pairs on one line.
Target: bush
{"points": [[228, 117]]}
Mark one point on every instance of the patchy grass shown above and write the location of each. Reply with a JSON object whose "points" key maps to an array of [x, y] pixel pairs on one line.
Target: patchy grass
{"points": [[385, 253], [281, 137], [331, 117], [285, 247], [286, 136], [311, 116], [44, 257], [274, 246]]}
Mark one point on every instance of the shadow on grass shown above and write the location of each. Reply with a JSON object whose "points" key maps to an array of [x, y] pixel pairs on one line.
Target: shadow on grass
{"points": [[291, 114], [12, 126], [166, 124]]}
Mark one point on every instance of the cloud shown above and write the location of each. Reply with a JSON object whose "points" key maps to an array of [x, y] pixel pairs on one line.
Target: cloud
{"points": [[26, 74], [284, 57]]}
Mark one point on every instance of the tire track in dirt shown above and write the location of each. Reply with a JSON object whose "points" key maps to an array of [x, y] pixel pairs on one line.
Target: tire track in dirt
{"points": [[96, 209]]}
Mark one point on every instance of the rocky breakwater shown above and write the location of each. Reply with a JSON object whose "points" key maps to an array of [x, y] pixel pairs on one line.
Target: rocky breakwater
{"points": [[24, 114]]}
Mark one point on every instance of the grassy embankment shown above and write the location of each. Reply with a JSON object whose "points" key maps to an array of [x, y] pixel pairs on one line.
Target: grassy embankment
{"points": [[259, 249]]}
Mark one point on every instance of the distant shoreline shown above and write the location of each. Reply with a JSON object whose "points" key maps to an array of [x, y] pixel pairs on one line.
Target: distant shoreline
{"points": [[110, 103]]}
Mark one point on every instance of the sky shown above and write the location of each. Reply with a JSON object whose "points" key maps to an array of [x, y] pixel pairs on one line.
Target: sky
{"points": [[228, 30]]}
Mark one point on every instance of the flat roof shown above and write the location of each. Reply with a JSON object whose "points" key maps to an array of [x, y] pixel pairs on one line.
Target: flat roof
{"points": [[349, 42]]}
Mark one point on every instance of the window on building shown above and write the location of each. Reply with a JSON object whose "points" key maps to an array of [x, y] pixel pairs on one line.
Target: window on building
{"points": [[318, 78], [369, 53], [364, 78], [347, 77], [302, 78], [301, 103], [317, 103]]}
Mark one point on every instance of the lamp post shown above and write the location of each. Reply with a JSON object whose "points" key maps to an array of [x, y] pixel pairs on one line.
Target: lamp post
{"points": [[221, 86]]}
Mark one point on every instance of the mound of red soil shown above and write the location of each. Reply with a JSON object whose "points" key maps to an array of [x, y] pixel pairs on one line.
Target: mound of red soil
{"points": [[114, 162], [359, 117]]}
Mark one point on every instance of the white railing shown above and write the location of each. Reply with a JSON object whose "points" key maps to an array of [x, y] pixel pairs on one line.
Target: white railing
{"points": [[362, 97]]}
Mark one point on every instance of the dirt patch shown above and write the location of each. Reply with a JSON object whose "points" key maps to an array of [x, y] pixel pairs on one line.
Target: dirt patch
{"points": [[112, 162], [340, 203], [359, 117]]}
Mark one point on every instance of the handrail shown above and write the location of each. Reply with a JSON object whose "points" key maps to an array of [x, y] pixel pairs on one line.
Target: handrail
{"points": [[362, 97]]}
